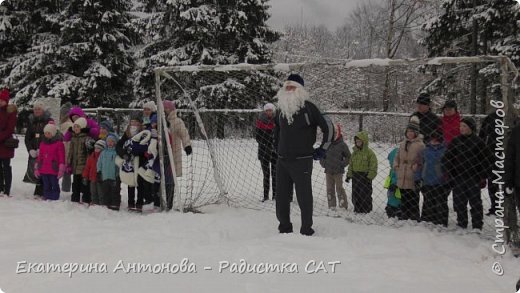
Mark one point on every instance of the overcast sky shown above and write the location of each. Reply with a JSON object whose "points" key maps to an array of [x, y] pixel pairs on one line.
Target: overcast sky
{"points": [[331, 13]]}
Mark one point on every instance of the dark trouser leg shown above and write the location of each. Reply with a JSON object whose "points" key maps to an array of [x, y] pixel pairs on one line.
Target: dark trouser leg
{"points": [[492, 190], [284, 186], [475, 202], [55, 188], [77, 186], [441, 217], [116, 199], [460, 204], [144, 190], [361, 193], [38, 189], [429, 204], [7, 174], [301, 173], [66, 182], [131, 197], [156, 197], [409, 205], [47, 188], [267, 175], [102, 196], [86, 193], [273, 175], [94, 194], [111, 193]]}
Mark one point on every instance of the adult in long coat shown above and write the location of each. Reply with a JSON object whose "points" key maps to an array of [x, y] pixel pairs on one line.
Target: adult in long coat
{"points": [[489, 136], [33, 137], [7, 124], [180, 136]]}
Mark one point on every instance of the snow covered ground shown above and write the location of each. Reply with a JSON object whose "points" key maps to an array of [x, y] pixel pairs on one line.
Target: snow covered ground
{"points": [[372, 258]]}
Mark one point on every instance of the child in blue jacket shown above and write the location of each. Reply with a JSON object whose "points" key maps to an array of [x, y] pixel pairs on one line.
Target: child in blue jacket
{"points": [[435, 190]]}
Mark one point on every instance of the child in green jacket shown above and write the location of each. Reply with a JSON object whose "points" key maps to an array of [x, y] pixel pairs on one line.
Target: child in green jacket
{"points": [[362, 169]]}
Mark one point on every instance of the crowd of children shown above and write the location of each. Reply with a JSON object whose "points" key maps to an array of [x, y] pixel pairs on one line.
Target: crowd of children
{"points": [[99, 161], [428, 165]]}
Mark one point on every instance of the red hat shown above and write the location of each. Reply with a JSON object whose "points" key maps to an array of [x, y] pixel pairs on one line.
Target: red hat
{"points": [[4, 95]]}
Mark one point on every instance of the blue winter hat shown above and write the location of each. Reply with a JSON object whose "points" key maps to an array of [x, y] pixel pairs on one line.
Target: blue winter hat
{"points": [[153, 119], [108, 125], [296, 78], [113, 137]]}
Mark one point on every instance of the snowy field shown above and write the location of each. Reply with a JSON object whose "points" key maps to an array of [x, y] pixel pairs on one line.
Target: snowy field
{"points": [[372, 258]]}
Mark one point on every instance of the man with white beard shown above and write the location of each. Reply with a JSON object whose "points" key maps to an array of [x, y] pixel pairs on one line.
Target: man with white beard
{"points": [[294, 137]]}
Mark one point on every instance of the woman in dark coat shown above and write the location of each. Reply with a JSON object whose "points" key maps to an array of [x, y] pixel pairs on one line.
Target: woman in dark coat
{"points": [[33, 136], [7, 125]]}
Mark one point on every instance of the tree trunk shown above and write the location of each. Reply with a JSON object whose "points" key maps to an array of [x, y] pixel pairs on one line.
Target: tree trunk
{"points": [[389, 41], [474, 70]]}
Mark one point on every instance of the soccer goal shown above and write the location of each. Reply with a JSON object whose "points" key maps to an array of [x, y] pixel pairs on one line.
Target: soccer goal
{"points": [[220, 104]]}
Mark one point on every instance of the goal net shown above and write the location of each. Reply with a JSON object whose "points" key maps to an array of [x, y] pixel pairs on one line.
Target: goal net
{"points": [[220, 105]]}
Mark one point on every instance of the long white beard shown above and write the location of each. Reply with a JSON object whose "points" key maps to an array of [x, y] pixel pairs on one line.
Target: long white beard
{"points": [[289, 103]]}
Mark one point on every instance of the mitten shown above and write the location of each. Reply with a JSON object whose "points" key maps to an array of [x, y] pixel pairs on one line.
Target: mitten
{"points": [[36, 168], [482, 183], [318, 154], [34, 153], [188, 150], [68, 169]]}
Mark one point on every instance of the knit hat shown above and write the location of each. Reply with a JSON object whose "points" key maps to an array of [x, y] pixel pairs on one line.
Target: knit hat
{"points": [[39, 104], [424, 99], [470, 122], [100, 144], [4, 95], [450, 104], [168, 105], [112, 137], [107, 124], [81, 122], [269, 106], [136, 116], [296, 78], [437, 134], [51, 128], [150, 105], [414, 127]]}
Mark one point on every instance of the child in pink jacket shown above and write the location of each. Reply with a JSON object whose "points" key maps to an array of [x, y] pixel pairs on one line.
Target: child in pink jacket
{"points": [[50, 164]]}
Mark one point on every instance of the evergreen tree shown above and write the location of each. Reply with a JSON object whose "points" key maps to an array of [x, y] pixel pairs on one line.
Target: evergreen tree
{"points": [[450, 34], [197, 32], [85, 61], [29, 30]]}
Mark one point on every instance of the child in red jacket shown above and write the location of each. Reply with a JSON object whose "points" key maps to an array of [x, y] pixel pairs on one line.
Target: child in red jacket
{"points": [[50, 163], [90, 174]]}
